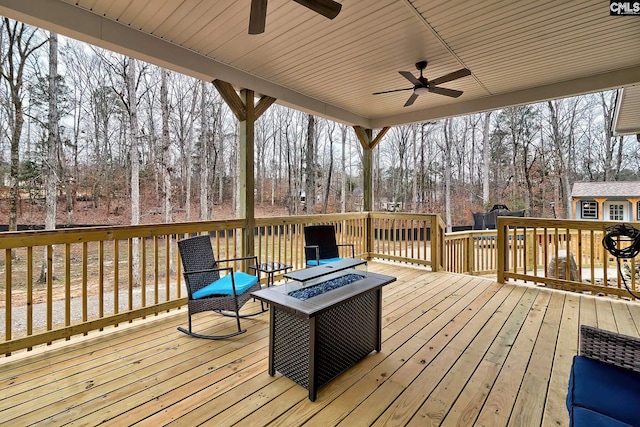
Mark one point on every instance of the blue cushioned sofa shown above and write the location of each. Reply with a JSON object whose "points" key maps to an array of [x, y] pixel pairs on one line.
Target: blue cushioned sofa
{"points": [[604, 385]]}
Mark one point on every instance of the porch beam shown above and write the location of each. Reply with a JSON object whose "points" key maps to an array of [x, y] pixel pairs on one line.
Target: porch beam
{"points": [[231, 97], [263, 105], [379, 136]]}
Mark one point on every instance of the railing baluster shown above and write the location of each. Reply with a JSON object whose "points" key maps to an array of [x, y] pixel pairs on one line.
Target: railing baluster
{"points": [[101, 280], [116, 276], [29, 291], [49, 279], [8, 293], [85, 264], [67, 285]]}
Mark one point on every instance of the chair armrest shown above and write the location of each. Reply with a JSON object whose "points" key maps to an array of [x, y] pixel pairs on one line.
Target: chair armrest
{"points": [[610, 347], [353, 249], [208, 270], [243, 258]]}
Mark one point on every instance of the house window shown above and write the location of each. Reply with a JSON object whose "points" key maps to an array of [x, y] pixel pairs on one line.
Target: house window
{"points": [[616, 212], [638, 211], [590, 210]]}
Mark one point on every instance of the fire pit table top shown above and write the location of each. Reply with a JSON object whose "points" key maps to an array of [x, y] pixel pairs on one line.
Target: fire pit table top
{"points": [[311, 273], [279, 295]]}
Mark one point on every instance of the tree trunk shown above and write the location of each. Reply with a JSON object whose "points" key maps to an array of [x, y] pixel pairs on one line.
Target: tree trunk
{"points": [[560, 152], [203, 158], [51, 175], [327, 191], [167, 206], [609, 140], [310, 182], [343, 164], [18, 49], [486, 159], [448, 143], [135, 166]]}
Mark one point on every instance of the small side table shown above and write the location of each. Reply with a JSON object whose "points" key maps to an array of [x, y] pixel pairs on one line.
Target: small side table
{"points": [[270, 268]]}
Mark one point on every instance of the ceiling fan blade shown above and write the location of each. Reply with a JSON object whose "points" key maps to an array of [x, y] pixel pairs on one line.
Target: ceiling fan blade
{"points": [[451, 76], [393, 90], [444, 91], [258, 16], [411, 99], [326, 8], [413, 79]]}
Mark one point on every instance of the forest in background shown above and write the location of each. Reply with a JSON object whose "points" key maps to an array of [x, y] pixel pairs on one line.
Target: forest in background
{"points": [[91, 136]]}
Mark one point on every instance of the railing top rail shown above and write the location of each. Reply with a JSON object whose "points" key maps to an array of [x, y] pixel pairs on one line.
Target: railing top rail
{"points": [[467, 233], [402, 215], [510, 221], [309, 219], [32, 238]]}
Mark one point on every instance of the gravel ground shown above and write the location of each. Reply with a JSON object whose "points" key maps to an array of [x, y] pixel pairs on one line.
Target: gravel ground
{"points": [[19, 314]]}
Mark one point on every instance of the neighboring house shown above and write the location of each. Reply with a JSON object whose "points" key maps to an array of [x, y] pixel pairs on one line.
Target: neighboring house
{"points": [[607, 201]]}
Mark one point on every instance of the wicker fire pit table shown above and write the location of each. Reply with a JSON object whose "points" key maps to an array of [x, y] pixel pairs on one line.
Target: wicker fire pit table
{"points": [[323, 321]]}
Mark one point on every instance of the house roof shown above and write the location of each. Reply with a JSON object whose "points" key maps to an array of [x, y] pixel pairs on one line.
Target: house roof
{"points": [[518, 52], [606, 189]]}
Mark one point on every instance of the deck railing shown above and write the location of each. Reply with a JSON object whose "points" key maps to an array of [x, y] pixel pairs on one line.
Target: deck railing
{"points": [[471, 252], [563, 254], [56, 284], [61, 283]]}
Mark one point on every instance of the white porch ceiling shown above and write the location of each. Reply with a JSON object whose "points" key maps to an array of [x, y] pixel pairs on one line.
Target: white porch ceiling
{"points": [[518, 52], [627, 115]]}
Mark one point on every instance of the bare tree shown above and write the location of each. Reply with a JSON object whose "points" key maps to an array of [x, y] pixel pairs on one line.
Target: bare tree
{"points": [[486, 160], [203, 158], [343, 165], [609, 140], [561, 150], [327, 190], [135, 161], [167, 169], [21, 44], [310, 158], [51, 164]]}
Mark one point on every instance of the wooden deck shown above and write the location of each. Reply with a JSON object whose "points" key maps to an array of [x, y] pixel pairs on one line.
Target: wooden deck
{"points": [[457, 350]]}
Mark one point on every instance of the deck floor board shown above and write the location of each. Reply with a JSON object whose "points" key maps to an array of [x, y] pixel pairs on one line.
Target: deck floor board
{"points": [[457, 351]]}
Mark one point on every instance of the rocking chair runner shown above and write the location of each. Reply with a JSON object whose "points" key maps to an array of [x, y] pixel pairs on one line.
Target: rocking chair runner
{"points": [[320, 245], [208, 291]]}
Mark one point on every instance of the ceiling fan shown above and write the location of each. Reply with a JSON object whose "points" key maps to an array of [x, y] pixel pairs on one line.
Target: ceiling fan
{"points": [[258, 14], [422, 85]]}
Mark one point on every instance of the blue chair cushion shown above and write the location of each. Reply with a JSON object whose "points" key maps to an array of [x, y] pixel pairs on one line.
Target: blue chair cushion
{"points": [[604, 388], [323, 261], [585, 417], [223, 286]]}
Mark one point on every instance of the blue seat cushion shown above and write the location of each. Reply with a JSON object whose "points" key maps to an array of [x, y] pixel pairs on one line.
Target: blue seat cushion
{"points": [[604, 388], [222, 286], [587, 418], [323, 261]]}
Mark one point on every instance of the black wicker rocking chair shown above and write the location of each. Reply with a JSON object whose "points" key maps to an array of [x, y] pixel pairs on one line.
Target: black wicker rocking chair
{"points": [[208, 290]]}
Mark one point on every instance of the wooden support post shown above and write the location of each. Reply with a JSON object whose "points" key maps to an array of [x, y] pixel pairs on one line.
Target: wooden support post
{"points": [[368, 143], [247, 176]]}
